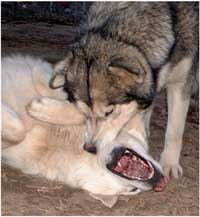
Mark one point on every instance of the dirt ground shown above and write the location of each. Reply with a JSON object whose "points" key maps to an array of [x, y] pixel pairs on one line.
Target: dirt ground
{"points": [[27, 195]]}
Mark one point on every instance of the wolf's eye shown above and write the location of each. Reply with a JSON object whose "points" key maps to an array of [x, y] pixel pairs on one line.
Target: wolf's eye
{"points": [[109, 112]]}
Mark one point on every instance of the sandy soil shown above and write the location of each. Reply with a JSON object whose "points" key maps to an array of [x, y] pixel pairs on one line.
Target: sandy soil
{"points": [[27, 195]]}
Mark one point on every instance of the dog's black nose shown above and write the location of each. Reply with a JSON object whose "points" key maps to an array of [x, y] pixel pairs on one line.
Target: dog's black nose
{"points": [[89, 147], [161, 184], [158, 181]]}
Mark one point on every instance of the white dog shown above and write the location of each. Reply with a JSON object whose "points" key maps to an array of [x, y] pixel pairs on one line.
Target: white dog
{"points": [[43, 134]]}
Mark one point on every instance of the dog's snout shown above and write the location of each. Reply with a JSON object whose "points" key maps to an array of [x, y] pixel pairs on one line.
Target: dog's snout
{"points": [[161, 184], [90, 147], [159, 181]]}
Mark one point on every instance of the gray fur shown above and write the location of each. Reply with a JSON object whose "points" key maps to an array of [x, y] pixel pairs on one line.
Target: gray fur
{"points": [[129, 51], [161, 33]]}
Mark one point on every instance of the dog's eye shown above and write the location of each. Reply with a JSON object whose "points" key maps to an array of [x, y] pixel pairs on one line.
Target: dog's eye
{"points": [[134, 190]]}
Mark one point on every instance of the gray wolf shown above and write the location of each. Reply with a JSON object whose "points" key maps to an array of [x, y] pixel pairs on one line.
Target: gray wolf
{"points": [[43, 134], [129, 51]]}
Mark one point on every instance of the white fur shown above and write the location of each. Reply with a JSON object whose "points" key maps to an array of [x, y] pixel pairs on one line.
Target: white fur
{"points": [[44, 145], [178, 104]]}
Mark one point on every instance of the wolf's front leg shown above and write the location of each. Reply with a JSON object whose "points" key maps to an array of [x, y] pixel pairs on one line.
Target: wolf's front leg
{"points": [[56, 111], [178, 104]]}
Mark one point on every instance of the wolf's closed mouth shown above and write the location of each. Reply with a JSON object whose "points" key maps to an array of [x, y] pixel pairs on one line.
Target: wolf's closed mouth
{"points": [[131, 166]]}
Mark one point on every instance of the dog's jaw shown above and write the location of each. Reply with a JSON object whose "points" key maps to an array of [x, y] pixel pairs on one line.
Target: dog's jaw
{"points": [[98, 180], [139, 146]]}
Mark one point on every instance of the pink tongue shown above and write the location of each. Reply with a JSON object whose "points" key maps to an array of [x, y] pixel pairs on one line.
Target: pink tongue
{"points": [[137, 169], [131, 168], [123, 162]]}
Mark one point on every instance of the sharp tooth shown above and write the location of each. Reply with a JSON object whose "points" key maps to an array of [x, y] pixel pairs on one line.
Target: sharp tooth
{"points": [[141, 161], [125, 174], [134, 157], [127, 152], [119, 164]]}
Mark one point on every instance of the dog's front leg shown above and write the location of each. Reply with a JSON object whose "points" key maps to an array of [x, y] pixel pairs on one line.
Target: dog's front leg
{"points": [[12, 127], [55, 111], [178, 104]]}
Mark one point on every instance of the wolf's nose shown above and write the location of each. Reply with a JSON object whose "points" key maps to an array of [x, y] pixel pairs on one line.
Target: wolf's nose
{"points": [[89, 147]]}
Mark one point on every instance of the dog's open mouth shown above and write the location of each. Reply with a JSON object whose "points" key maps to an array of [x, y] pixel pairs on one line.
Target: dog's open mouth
{"points": [[128, 164]]}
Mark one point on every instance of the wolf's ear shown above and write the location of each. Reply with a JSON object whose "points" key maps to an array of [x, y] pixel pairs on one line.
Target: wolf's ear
{"points": [[61, 69], [125, 76], [107, 200], [128, 72], [57, 81], [64, 64], [131, 66]]}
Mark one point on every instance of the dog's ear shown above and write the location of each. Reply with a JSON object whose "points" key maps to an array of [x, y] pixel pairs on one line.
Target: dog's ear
{"points": [[107, 200]]}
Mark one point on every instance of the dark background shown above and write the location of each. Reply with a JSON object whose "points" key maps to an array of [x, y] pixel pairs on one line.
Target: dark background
{"points": [[70, 13]]}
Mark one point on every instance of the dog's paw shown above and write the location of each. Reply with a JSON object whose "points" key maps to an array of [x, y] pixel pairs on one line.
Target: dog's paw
{"points": [[170, 165], [41, 108]]}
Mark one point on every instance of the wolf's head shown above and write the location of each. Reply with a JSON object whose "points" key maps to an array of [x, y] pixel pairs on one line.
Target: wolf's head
{"points": [[116, 81]]}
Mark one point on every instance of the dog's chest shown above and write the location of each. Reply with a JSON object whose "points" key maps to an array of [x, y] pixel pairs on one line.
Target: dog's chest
{"points": [[67, 137]]}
